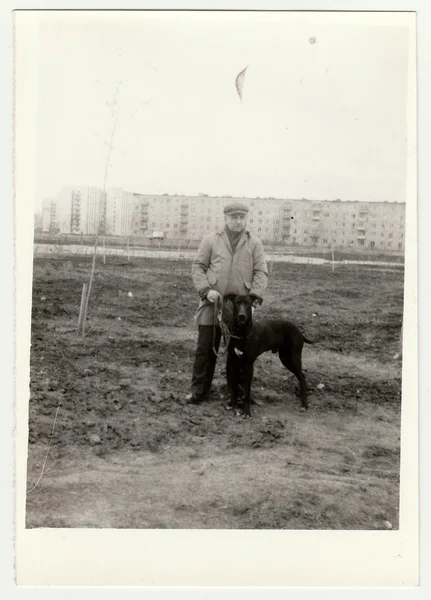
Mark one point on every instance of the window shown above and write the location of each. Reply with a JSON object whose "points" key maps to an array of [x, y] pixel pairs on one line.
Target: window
{"points": [[361, 242], [391, 235]]}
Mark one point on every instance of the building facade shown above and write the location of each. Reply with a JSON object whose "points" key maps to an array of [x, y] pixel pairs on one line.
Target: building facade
{"points": [[299, 222], [296, 222], [76, 209]]}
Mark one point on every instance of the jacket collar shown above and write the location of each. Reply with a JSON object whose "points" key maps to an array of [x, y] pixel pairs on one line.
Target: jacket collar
{"points": [[244, 236]]}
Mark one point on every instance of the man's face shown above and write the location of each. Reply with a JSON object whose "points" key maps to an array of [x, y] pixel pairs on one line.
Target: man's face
{"points": [[236, 221]]}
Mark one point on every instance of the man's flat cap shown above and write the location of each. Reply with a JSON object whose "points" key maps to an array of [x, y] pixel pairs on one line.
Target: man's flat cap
{"points": [[235, 207]]}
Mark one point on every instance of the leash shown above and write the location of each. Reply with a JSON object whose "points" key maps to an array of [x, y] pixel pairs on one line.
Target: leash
{"points": [[218, 318]]}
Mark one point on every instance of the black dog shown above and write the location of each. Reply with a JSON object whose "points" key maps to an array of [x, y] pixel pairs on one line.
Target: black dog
{"points": [[248, 340]]}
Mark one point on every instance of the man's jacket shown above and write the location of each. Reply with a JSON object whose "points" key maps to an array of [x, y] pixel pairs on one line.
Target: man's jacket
{"points": [[216, 267]]}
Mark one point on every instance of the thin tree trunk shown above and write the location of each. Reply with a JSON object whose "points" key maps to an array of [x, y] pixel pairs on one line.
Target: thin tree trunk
{"points": [[81, 310]]}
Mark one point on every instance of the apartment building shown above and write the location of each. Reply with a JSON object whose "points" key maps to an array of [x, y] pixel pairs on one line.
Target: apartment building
{"points": [[350, 224], [75, 209], [82, 209], [296, 222], [49, 221], [126, 213], [194, 216]]}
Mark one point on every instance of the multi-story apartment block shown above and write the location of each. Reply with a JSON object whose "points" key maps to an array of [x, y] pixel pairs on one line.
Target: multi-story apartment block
{"points": [[301, 222], [126, 214], [297, 222], [79, 209], [49, 216]]}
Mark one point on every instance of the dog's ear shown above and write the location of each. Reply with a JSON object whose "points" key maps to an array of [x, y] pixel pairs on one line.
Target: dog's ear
{"points": [[255, 299], [229, 297], [228, 309]]}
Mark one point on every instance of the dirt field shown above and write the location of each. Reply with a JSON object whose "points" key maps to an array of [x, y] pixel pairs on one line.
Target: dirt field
{"points": [[127, 452]]}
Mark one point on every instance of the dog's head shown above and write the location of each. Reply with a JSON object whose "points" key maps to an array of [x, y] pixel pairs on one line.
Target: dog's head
{"points": [[241, 308]]}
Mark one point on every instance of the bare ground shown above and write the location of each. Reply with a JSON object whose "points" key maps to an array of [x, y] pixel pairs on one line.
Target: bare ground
{"points": [[128, 452]]}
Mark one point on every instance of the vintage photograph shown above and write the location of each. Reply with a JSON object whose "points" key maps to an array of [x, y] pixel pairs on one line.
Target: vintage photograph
{"points": [[218, 271]]}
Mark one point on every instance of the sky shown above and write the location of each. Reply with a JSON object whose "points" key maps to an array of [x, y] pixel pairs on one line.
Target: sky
{"points": [[322, 116]]}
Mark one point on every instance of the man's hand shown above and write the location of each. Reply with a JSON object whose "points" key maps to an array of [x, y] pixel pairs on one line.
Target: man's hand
{"points": [[255, 303], [213, 296]]}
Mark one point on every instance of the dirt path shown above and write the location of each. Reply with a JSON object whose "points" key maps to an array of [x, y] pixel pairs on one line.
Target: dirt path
{"points": [[287, 470]]}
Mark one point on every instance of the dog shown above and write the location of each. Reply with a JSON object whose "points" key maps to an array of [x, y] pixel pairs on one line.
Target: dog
{"points": [[249, 339]]}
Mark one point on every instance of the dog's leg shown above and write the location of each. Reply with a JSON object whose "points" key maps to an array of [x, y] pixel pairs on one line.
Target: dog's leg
{"points": [[297, 370], [248, 378], [293, 362], [232, 387]]}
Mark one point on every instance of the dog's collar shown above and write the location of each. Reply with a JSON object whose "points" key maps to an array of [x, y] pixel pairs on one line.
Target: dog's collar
{"points": [[243, 337]]}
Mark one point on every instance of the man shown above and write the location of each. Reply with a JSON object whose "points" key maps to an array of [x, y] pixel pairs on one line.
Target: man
{"points": [[229, 262]]}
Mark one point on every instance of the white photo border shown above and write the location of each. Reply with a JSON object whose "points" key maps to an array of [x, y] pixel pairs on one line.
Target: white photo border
{"points": [[424, 149]]}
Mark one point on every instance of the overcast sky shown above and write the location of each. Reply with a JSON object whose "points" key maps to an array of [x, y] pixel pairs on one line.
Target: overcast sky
{"points": [[318, 120]]}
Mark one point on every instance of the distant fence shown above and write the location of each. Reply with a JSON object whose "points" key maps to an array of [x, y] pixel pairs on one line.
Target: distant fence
{"points": [[71, 249], [185, 246]]}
